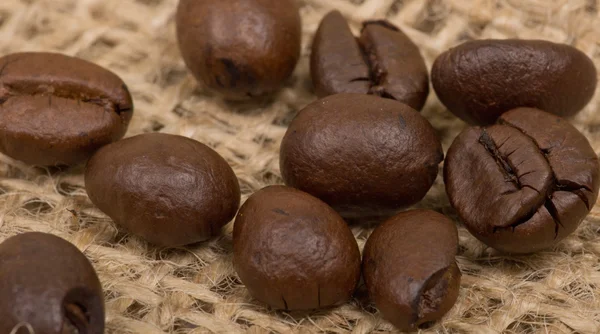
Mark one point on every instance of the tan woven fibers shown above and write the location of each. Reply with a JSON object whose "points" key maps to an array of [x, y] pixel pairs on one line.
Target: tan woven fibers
{"points": [[195, 289]]}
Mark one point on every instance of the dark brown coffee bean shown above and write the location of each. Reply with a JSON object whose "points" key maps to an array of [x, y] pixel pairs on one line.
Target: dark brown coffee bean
{"points": [[479, 80], [524, 184], [294, 252], [239, 48], [410, 269], [170, 190], [58, 110], [383, 62], [362, 154], [48, 284]]}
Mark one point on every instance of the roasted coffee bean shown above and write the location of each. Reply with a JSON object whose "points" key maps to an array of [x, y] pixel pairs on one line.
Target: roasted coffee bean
{"points": [[294, 252], [168, 189], [479, 80], [383, 61], [410, 269], [58, 110], [362, 154], [239, 48], [48, 284], [523, 184]]}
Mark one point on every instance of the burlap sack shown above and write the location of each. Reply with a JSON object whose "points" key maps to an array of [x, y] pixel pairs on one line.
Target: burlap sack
{"points": [[195, 290]]}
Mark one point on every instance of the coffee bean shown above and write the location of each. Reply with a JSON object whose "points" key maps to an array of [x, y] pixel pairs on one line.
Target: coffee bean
{"points": [[50, 285], [523, 184], [294, 252], [362, 154], [410, 269], [239, 48], [479, 80], [383, 61], [58, 110], [168, 189]]}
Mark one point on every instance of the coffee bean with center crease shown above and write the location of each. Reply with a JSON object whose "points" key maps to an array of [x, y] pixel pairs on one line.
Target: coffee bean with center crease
{"points": [[49, 285], [58, 110], [479, 80], [240, 48], [383, 61], [523, 184], [410, 269], [294, 252], [171, 190], [366, 156]]}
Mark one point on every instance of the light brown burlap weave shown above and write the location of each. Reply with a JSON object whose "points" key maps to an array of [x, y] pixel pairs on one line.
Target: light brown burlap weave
{"points": [[195, 289]]}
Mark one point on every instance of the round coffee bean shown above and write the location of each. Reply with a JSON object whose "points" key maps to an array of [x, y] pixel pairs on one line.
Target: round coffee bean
{"points": [[48, 284], [523, 184], [168, 189], [410, 270], [239, 48], [58, 110], [362, 154], [383, 61], [294, 252], [479, 80]]}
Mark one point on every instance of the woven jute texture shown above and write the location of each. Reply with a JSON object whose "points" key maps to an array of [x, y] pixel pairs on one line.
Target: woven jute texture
{"points": [[195, 289]]}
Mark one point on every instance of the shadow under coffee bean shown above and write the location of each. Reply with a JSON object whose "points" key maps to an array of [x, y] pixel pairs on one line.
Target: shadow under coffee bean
{"points": [[523, 184]]}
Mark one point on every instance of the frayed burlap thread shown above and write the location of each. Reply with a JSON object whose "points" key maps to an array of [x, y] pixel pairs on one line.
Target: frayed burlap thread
{"points": [[195, 289]]}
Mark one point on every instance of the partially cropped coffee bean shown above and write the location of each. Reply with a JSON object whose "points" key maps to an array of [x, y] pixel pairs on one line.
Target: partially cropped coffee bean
{"points": [[170, 190], [362, 154], [58, 110], [383, 61], [294, 252], [48, 284], [523, 184], [479, 80], [410, 269], [239, 48]]}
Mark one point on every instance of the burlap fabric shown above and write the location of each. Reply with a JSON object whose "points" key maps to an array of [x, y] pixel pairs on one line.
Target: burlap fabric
{"points": [[195, 289]]}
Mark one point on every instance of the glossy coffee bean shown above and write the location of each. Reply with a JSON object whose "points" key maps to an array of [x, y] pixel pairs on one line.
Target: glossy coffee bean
{"points": [[479, 80], [294, 252], [50, 285], [239, 48], [168, 189], [362, 154], [383, 61], [58, 110], [410, 269], [523, 184]]}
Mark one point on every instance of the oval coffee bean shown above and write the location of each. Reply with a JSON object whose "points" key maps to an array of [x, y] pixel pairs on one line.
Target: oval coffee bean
{"points": [[523, 184], [410, 269], [479, 80], [362, 154], [239, 48], [48, 284], [58, 110], [294, 252], [383, 61], [170, 190]]}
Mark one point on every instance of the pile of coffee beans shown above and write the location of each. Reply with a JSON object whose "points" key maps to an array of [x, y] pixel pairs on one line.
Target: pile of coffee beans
{"points": [[520, 177]]}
